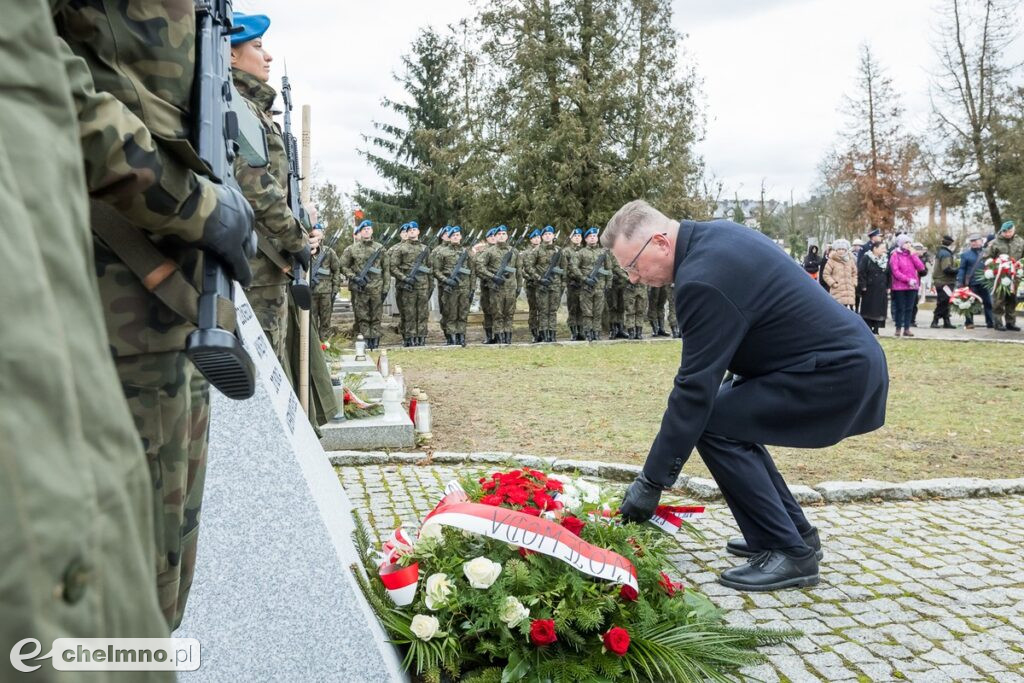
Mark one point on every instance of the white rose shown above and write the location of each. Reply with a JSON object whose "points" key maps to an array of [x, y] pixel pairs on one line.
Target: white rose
{"points": [[432, 531], [438, 588], [989, 273], [569, 502], [1007, 282], [513, 612], [591, 492], [424, 626], [481, 572]]}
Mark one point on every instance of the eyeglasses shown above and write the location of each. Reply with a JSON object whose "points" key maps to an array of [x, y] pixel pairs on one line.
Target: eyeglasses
{"points": [[632, 264]]}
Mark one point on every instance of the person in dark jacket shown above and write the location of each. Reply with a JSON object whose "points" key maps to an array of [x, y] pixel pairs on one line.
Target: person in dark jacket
{"points": [[970, 275], [943, 277], [821, 268], [805, 373], [873, 285], [812, 262]]}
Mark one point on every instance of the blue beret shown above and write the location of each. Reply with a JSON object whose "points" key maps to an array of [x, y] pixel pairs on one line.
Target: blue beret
{"points": [[535, 233], [365, 224], [591, 231], [577, 231], [500, 228], [413, 225], [490, 233], [253, 26], [1008, 225], [444, 231], [405, 226], [547, 229], [454, 229]]}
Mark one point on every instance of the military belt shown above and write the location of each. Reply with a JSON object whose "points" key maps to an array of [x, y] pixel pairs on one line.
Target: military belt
{"points": [[158, 274]]}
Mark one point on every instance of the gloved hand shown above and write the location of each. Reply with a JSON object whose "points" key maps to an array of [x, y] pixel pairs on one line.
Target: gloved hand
{"points": [[590, 282], [545, 282], [641, 499], [228, 234], [450, 282], [408, 283], [303, 257], [359, 283], [498, 280]]}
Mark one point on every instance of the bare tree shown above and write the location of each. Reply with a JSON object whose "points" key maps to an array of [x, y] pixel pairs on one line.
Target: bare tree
{"points": [[968, 88]]}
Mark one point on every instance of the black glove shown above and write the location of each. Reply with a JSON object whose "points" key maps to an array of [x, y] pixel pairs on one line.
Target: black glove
{"points": [[408, 283], [518, 289], [450, 282], [498, 280], [303, 257], [590, 282], [545, 282], [359, 283], [228, 234], [641, 499]]}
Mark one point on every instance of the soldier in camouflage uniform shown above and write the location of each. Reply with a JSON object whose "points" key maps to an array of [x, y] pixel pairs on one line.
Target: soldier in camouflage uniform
{"points": [[75, 493], [438, 252], [548, 269], [615, 301], [526, 258], [504, 283], [673, 325], [1004, 306], [368, 291], [572, 287], [590, 266], [656, 299], [133, 93], [412, 277], [282, 239], [490, 240], [454, 283], [325, 282], [634, 307]]}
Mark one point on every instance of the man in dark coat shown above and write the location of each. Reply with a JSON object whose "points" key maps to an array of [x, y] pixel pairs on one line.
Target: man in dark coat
{"points": [[806, 373]]}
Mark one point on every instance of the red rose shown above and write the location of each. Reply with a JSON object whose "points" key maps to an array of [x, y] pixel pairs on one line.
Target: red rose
{"points": [[323, 347], [554, 485], [617, 640], [491, 499], [517, 495], [530, 510], [543, 500], [628, 593], [538, 475], [573, 524], [488, 485], [542, 632]]}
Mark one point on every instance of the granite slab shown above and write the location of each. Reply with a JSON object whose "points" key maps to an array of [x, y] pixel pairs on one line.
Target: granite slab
{"points": [[393, 429]]}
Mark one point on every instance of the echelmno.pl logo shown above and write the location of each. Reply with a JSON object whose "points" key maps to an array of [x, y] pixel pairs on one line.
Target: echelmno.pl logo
{"points": [[109, 654]]}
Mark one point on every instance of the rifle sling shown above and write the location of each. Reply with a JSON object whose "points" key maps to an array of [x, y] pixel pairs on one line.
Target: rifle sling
{"points": [[273, 254], [158, 274]]}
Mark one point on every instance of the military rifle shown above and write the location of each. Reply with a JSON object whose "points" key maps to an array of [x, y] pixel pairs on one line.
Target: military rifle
{"points": [[217, 353], [591, 281], [409, 281], [300, 286], [459, 269], [314, 269], [504, 267], [360, 281], [553, 268]]}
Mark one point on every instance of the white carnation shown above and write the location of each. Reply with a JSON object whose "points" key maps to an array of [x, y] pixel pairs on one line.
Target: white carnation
{"points": [[481, 572], [513, 612], [989, 273], [437, 590], [1007, 282], [425, 626]]}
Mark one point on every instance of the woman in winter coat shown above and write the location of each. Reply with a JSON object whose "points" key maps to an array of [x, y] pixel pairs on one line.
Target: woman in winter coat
{"points": [[812, 261], [904, 266], [840, 274], [873, 282]]}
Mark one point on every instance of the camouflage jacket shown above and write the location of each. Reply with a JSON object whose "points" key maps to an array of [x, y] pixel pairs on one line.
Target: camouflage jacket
{"points": [[1013, 247], [131, 80], [620, 277], [402, 259], [542, 260], [443, 262], [584, 262], [527, 256], [328, 275], [266, 188], [354, 258], [489, 262], [571, 252]]}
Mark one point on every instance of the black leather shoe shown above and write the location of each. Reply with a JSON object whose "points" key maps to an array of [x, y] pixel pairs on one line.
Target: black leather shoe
{"points": [[772, 570], [738, 547], [1000, 327], [1012, 328]]}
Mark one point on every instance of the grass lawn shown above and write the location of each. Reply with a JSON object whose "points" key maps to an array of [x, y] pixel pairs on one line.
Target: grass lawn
{"points": [[955, 408]]}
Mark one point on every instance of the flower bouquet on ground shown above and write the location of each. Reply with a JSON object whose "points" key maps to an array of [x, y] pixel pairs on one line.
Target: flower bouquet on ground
{"points": [[1002, 274], [527, 576], [964, 301], [355, 407]]}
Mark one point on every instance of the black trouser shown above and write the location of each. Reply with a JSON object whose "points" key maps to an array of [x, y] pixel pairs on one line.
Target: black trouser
{"points": [[986, 300], [941, 301]]}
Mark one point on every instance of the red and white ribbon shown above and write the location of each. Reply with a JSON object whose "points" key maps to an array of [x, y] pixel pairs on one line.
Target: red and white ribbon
{"points": [[400, 582], [534, 533], [669, 518]]}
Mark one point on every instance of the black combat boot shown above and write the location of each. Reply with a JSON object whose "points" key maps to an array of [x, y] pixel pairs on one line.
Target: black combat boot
{"points": [[407, 341], [661, 332], [947, 324], [489, 337], [376, 342], [423, 341], [621, 334], [675, 331], [639, 332], [449, 340], [632, 333], [551, 335], [462, 339]]}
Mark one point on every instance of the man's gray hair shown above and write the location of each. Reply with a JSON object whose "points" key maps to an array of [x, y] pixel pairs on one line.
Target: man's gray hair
{"points": [[630, 217]]}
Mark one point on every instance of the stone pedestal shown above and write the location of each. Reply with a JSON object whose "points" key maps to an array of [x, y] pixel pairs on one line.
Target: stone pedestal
{"points": [[393, 429], [350, 364]]}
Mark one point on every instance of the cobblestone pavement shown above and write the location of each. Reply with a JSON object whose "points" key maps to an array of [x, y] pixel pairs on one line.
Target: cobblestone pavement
{"points": [[910, 591]]}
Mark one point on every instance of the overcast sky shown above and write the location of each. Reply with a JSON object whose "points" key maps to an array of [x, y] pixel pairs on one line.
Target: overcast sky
{"points": [[774, 73]]}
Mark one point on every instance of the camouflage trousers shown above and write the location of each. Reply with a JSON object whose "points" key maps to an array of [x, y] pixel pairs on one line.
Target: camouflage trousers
{"points": [[572, 304], [614, 305], [320, 313], [591, 308], [503, 305], [270, 304], [1004, 305], [413, 309], [170, 402], [670, 296], [367, 308], [634, 305], [548, 300], [656, 297], [531, 302], [485, 307], [455, 305]]}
